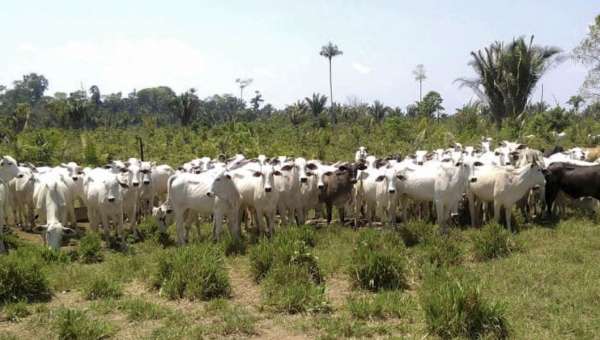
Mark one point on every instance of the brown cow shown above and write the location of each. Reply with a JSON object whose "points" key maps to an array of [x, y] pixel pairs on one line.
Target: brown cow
{"points": [[591, 154]]}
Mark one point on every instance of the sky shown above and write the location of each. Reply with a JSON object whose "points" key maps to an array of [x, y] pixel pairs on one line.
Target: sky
{"points": [[124, 45]]}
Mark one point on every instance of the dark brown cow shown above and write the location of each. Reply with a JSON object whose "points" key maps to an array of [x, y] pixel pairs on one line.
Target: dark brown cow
{"points": [[576, 181], [335, 183]]}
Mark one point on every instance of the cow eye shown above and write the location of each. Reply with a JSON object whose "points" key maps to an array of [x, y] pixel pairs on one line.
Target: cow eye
{"points": [[9, 163], [1, 163]]}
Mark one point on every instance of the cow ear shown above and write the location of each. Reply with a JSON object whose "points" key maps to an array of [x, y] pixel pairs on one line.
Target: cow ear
{"points": [[309, 173], [287, 167], [63, 165], [153, 163], [459, 163], [277, 173], [257, 174], [107, 166], [127, 164], [521, 147], [343, 168], [361, 167], [380, 178], [401, 177], [328, 173], [228, 176], [311, 166], [546, 172], [123, 185], [477, 163], [69, 231], [40, 228], [124, 169], [497, 153]]}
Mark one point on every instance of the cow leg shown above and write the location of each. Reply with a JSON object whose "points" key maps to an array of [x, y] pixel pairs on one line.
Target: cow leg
{"points": [[282, 213], [329, 211], [507, 213], [497, 207], [2, 249], [271, 223], [342, 213], [106, 228], [179, 226], [120, 229], [133, 221], [218, 226]]}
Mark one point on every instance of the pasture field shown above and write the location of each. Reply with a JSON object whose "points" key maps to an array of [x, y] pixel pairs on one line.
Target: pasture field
{"points": [[310, 282]]}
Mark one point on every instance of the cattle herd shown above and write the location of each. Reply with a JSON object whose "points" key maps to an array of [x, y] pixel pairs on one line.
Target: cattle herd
{"points": [[257, 190]]}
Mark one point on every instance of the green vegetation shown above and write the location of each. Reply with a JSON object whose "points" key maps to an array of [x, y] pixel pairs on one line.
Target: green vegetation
{"points": [[22, 277], [76, 324], [494, 242], [102, 287]]}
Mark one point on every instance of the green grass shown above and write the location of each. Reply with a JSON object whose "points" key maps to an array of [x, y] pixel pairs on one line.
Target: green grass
{"points": [[102, 287], [22, 276], [546, 288], [76, 324]]}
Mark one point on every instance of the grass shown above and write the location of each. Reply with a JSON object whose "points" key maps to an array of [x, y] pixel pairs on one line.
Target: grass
{"points": [[22, 276], [546, 288], [102, 287]]}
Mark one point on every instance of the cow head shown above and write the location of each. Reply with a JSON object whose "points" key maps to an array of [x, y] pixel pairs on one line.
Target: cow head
{"points": [[53, 232], [9, 169]]}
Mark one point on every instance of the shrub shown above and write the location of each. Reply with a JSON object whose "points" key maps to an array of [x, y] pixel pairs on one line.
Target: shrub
{"points": [[194, 272], [306, 234], [442, 251], [102, 287], [90, 248], [22, 277], [493, 241], [261, 259], [138, 309], [455, 307], [76, 324], [377, 262], [237, 321]]}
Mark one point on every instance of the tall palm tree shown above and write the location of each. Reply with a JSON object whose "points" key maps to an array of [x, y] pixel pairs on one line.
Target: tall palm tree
{"points": [[329, 51], [316, 104], [185, 106], [378, 111], [576, 102], [507, 75], [419, 73]]}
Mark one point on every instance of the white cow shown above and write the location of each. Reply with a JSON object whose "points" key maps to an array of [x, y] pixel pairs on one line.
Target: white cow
{"points": [[379, 193], [288, 185], [8, 171], [361, 153], [52, 197], [131, 176], [21, 194], [418, 186], [160, 175], [105, 201], [255, 185], [190, 192], [504, 187], [449, 186]]}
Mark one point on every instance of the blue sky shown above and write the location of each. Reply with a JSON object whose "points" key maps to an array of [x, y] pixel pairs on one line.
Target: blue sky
{"points": [[122, 45]]}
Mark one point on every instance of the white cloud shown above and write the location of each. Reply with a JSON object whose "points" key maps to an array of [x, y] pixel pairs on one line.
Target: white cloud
{"points": [[361, 68], [124, 64], [27, 47], [261, 72]]}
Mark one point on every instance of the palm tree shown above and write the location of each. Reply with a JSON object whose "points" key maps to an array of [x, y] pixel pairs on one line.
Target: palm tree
{"points": [[316, 104], [576, 102], [185, 106], [378, 111], [507, 75], [329, 51], [419, 73]]}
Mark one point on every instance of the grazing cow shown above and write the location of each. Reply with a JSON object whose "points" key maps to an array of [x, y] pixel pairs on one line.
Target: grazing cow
{"points": [[52, 198], [104, 199], [160, 175], [8, 171], [575, 180], [504, 187]]}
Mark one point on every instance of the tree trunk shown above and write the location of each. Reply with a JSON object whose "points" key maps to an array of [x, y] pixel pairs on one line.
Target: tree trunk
{"points": [[331, 95], [498, 121]]}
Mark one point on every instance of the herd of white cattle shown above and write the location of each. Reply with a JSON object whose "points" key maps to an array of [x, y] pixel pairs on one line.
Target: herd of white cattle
{"points": [[43, 198]]}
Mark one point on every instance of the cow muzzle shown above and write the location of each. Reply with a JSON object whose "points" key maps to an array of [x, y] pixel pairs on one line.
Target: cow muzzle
{"points": [[321, 186], [303, 180], [473, 179], [111, 199], [74, 178], [146, 182], [268, 189], [210, 194], [136, 184], [392, 191]]}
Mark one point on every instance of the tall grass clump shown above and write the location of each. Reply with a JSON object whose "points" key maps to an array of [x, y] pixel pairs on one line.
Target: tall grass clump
{"points": [[493, 242], [380, 306], [76, 324], [377, 262], [22, 277], [454, 306], [291, 275], [193, 272], [413, 232], [442, 251], [233, 246], [102, 287], [16, 311], [90, 248]]}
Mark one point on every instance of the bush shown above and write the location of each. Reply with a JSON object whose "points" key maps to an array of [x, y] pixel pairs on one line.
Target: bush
{"points": [[138, 309], [233, 246], [22, 277], [442, 251], [75, 324], [493, 241], [102, 287], [455, 307], [193, 272], [377, 262], [90, 248]]}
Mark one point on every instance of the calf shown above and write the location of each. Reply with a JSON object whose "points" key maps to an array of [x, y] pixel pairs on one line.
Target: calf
{"points": [[8, 171]]}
